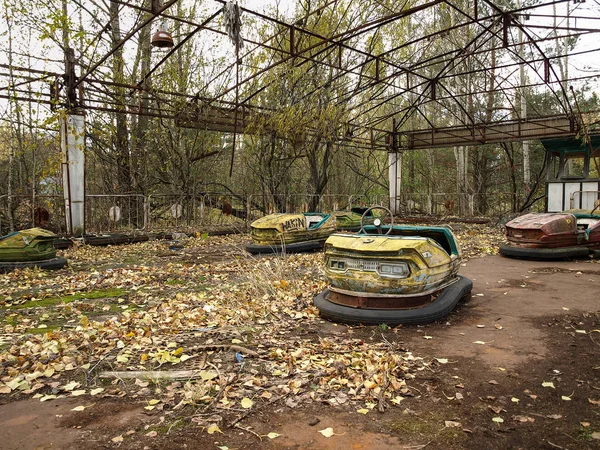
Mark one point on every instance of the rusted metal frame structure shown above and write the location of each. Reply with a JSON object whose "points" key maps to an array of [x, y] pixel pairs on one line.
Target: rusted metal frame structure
{"points": [[421, 94], [204, 25], [336, 41], [368, 59]]}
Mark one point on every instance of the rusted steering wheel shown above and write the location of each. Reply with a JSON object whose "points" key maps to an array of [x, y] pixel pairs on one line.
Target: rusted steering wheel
{"points": [[377, 222]]}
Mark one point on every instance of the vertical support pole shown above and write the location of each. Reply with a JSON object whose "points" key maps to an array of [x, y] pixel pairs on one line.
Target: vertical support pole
{"points": [[377, 68], [293, 40], [475, 10], [72, 143], [546, 70], [340, 57], [505, 24], [394, 171]]}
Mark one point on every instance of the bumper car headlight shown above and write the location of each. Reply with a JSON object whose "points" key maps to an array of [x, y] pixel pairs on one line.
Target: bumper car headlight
{"points": [[396, 270]]}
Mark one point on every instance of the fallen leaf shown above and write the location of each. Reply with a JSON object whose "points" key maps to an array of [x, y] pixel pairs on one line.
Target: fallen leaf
{"points": [[78, 408], [515, 400], [151, 433], [247, 403], [493, 382], [584, 424], [153, 402], [554, 416], [498, 420], [565, 398], [596, 435], [427, 337], [327, 432], [594, 402], [272, 435], [397, 400], [117, 439], [72, 385], [213, 429], [362, 411], [78, 393], [479, 342], [523, 419], [549, 384], [96, 391], [452, 424], [442, 360]]}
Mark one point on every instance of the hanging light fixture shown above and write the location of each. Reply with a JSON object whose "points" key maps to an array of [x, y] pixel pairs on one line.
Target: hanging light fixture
{"points": [[162, 38]]}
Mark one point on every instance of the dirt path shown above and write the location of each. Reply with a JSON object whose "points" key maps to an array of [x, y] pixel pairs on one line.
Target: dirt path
{"points": [[523, 327]]}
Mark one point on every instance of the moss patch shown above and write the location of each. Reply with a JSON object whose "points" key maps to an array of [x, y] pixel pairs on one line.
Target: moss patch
{"points": [[415, 427], [50, 301]]}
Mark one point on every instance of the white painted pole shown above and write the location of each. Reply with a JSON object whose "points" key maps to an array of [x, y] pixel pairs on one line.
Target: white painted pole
{"points": [[395, 180], [72, 145]]}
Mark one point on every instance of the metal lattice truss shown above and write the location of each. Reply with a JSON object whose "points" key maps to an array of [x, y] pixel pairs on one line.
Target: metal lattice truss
{"points": [[391, 75]]}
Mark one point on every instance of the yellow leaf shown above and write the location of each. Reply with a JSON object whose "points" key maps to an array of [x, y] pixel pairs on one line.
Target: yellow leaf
{"points": [[272, 435], [397, 400], [117, 439], [565, 398], [247, 403], [153, 402], [78, 408], [213, 429], [362, 411], [78, 393], [549, 384], [208, 374], [149, 407], [327, 432], [96, 391]]}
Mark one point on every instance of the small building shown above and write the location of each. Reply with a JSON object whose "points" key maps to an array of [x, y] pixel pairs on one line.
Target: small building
{"points": [[573, 173]]}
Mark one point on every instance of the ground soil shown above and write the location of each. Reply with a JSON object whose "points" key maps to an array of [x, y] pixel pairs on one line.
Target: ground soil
{"points": [[527, 323]]}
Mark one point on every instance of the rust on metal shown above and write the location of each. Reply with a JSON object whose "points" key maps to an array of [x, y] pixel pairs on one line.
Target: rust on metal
{"points": [[377, 302]]}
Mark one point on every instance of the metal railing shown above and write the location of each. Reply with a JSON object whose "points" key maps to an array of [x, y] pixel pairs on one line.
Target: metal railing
{"points": [[160, 212]]}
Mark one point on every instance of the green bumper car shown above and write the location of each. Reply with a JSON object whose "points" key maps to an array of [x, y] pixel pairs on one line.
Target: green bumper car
{"points": [[392, 274], [351, 220], [278, 233], [29, 248]]}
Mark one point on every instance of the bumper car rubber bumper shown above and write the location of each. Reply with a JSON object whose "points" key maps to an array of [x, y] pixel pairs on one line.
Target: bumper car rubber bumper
{"points": [[544, 254], [441, 307], [48, 264], [296, 247]]}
